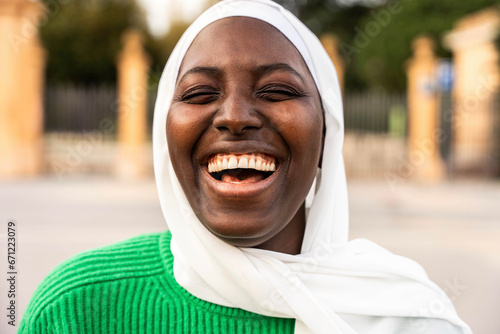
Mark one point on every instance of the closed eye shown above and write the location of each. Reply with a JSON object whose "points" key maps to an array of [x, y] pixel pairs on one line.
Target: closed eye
{"points": [[277, 93], [199, 95]]}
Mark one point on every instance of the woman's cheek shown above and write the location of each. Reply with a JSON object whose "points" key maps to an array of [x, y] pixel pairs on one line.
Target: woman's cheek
{"points": [[179, 137], [182, 126]]}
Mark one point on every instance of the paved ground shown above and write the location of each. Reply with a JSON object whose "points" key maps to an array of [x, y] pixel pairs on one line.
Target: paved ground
{"points": [[452, 229]]}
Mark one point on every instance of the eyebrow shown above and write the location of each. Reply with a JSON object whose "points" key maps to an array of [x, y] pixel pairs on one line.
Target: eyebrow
{"points": [[260, 70], [266, 69], [210, 71]]}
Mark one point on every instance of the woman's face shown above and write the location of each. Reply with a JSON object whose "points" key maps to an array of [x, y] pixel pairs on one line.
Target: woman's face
{"points": [[244, 133]]}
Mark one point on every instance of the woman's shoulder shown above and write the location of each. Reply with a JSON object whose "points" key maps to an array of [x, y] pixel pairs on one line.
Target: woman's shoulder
{"points": [[132, 259]]}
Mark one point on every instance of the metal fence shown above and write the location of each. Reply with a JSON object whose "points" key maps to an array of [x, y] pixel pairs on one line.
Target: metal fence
{"points": [[376, 126], [477, 153], [74, 109], [81, 109], [375, 113], [75, 141], [376, 130]]}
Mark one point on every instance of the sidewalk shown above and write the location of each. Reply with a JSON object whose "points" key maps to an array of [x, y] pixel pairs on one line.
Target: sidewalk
{"points": [[452, 229]]}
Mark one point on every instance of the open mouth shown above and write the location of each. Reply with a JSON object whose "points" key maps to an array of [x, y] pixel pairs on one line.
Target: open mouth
{"points": [[242, 168]]}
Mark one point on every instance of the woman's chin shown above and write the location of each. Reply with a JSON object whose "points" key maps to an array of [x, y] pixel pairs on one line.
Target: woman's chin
{"points": [[247, 233]]}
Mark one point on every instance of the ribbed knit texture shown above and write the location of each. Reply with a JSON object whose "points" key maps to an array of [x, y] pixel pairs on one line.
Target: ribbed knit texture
{"points": [[129, 288]]}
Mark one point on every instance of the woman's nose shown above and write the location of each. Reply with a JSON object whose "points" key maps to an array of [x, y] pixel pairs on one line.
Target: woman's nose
{"points": [[237, 114]]}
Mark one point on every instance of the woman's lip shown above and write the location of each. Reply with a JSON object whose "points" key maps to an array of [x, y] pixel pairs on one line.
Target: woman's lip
{"points": [[237, 190]]}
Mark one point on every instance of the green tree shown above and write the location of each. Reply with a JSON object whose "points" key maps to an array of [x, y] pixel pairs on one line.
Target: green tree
{"points": [[161, 47], [330, 16], [83, 37], [381, 62], [376, 58]]}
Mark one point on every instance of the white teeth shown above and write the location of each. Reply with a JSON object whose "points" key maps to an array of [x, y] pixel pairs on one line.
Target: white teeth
{"points": [[243, 163], [257, 162], [258, 165], [233, 163]]}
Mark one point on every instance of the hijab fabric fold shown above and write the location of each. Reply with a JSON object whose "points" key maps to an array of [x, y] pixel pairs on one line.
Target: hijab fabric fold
{"points": [[334, 285]]}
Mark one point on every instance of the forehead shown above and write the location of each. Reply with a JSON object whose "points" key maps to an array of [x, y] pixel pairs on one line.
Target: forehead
{"points": [[241, 41]]}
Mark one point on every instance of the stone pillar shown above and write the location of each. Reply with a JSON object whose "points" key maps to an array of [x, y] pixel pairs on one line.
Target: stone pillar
{"points": [[331, 45], [423, 145], [133, 64], [477, 80], [22, 64]]}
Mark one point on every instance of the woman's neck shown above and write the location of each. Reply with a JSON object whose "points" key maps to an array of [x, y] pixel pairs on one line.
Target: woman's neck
{"points": [[289, 239]]}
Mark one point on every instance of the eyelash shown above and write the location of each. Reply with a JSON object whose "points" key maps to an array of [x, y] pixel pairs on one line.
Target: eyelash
{"points": [[271, 93], [276, 93], [199, 95]]}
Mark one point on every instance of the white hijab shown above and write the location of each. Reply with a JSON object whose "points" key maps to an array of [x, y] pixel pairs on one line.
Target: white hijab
{"points": [[334, 285]]}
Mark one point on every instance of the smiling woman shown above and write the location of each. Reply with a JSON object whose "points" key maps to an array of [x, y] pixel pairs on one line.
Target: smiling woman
{"points": [[248, 124], [244, 133]]}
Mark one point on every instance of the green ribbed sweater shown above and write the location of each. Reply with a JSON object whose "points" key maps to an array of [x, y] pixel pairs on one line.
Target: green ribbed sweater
{"points": [[129, 288]]}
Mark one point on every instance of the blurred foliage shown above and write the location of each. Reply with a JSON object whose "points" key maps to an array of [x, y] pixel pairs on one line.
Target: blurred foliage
{"points": [[379, 63], [329, 16], [83, 38], [161, 47]]}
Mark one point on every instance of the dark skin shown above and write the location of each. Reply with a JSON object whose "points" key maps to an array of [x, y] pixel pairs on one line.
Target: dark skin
{"points": [[243, 88]]}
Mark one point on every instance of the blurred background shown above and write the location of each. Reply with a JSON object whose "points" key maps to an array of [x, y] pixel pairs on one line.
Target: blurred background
{"points": [[421, 87]]}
